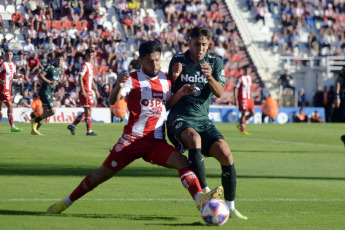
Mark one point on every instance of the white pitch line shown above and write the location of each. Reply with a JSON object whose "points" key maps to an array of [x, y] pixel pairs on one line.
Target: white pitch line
{"points": [[179, 200], [288, 142]]}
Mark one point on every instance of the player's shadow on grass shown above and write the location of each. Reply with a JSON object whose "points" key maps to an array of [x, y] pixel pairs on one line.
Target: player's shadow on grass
{"points": [[96, 216], [63, 170], [198, 224]]}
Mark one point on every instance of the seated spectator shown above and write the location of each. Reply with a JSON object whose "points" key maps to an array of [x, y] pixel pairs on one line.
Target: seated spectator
{"points": [[134, 6], [28, 48], [123, 64], [32, 34], [134, 64], [49, 47], [17, 21], [112, 52], [33, 63], [76, 8], [21, 63], [127, 24], [122, 9], [4, 44], [302, 98], [56, 9], [42, 34], [40, 18], [73, 35], [315, 117], [68, 101], [111, 78], [301, 116], [149, 22]]}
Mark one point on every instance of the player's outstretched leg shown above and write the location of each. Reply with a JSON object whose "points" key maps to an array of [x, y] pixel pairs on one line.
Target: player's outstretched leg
{"points": [[16, 129], [57, 207], [215, 193], [71, 129]]}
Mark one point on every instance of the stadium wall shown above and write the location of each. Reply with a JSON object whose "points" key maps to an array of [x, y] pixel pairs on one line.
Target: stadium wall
{"points": [[218, 114]]}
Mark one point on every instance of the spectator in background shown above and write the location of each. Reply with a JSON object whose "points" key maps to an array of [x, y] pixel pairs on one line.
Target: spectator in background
{"points": [[72, 33], [33, 63], [269, 109], [76, 8], [127, 24], [36, 106], [2, 24], [134, 6], [111, 78], [149, 22], [119, 110], [301, 116], [302, 98], [22, 64], [17, 21], [68, 101], [49, 47], [28, 48], [122, 9], [56, 8], [318, 97], [32, 34], [315, 117], [260, 13], [134, 64], [287, 81]]}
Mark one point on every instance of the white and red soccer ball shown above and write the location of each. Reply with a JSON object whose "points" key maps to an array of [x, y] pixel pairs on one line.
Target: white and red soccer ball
{"points": [[215, 212]]}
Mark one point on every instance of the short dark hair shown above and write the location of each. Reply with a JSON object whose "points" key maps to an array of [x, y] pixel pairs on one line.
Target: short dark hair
{"points": [[200, 31], [88, 51], [149, 47], [59, 55], [8, 51]]}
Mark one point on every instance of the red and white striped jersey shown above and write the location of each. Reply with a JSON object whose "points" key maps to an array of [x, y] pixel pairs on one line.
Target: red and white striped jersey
{"points": [[86, 73], [146, 98], [243, 83], [7, 71]]}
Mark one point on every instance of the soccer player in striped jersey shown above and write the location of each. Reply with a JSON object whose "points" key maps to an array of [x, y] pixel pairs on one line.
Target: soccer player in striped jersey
{"points": [[148, 93], [188, 124], [242, 99], [7, 74], [86, 84]]}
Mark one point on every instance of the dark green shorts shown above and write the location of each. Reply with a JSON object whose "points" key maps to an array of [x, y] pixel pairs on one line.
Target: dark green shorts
{"points": [[47, 99], [206, 129]]}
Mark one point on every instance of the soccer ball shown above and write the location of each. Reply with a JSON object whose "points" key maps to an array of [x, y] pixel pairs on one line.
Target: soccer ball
{"points": [[215, 212]]}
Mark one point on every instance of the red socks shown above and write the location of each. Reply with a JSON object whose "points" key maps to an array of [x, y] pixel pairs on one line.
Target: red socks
{"points": [[10, 116], [84, 187], [88, 122], [190, 181]]}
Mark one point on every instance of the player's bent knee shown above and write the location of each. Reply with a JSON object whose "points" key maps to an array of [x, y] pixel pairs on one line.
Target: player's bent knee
{"points": [[177, 160]]}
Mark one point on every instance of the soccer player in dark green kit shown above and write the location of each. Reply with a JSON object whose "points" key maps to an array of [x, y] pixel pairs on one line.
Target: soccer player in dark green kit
{"points": [[50, 78], [188, 124]]}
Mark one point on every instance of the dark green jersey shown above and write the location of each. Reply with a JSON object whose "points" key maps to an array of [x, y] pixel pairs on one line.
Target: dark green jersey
{"points": [[53, 74], [195, 106]]}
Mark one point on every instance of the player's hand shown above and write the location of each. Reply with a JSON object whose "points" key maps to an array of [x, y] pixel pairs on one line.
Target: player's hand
{"points": [[186, 90], [55, 83], [206, 70], [122, 78], [176, 70], [337, 102]]}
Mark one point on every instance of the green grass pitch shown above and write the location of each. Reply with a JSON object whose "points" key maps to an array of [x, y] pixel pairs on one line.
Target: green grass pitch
{"points": [[288, 177]]}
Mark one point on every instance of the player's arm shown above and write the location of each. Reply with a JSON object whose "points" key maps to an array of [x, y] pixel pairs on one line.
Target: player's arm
{"points": [[81, 84], [216, 87], [175, 71], [94, 87], [185, 90], [337, 91], [42, 77], [115, 94]]}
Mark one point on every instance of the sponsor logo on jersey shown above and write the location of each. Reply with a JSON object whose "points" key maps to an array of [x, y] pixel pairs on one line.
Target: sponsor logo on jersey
{"points": [[195, 79], [118, 148], [152, 102]]}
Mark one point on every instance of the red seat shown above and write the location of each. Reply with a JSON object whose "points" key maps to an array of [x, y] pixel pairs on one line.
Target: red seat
{"points": [[95, 70], [78, 25], [56, 24], [67, 24], [103, 68], [49, 24], [84, 24]]}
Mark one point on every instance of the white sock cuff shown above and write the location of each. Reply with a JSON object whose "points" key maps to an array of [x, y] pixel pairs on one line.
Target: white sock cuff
{"points": [[68, 201]]}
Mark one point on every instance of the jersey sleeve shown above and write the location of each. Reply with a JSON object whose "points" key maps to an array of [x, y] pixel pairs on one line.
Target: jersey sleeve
{"points": [[218, 71], [238, 82], [47, 69], [127, 87], [2, 67], [82, 69]]}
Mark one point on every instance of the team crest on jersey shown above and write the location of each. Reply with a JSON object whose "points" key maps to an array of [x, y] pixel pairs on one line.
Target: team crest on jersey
{"points": [[178, 125], [118, 148], [113, 164]]}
